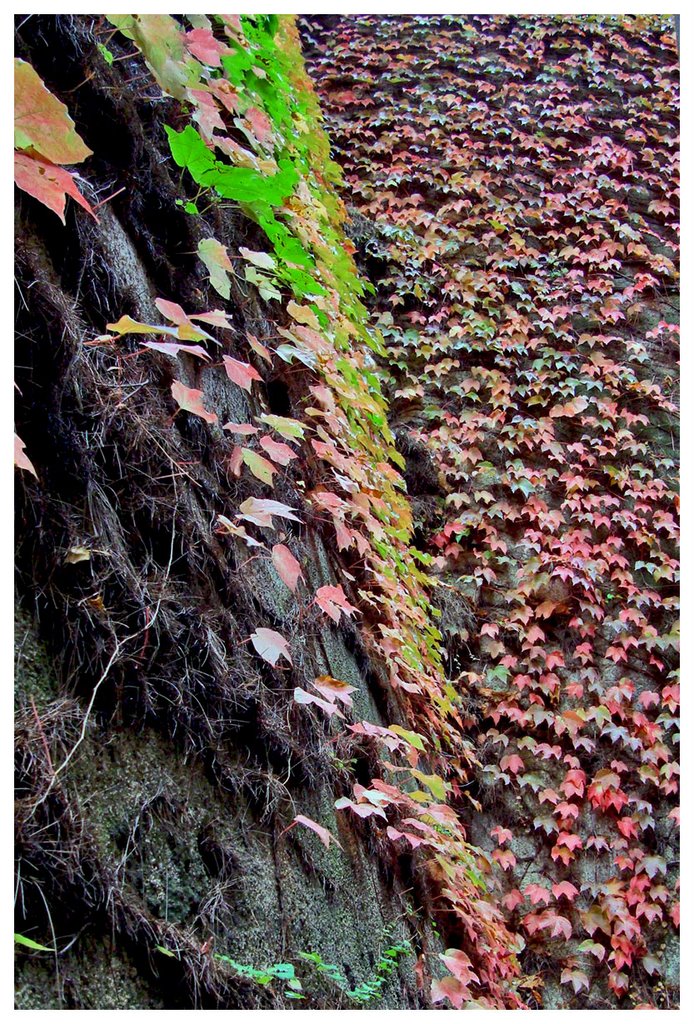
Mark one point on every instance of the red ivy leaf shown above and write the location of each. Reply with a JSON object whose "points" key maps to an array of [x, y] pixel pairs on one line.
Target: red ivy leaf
{"points": [[449, 988], [48, 183]]}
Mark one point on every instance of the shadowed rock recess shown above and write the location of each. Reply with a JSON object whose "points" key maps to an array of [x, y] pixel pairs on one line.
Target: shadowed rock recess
{"points": [[346, 631]]}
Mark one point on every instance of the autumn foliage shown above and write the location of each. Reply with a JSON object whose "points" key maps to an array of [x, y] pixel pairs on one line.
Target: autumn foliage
{"points": [[512, 183], [520, 179]]}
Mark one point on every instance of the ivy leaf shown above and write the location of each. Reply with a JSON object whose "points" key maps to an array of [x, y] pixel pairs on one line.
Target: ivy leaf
{"points": [[303, 315], [189, 151], [172, 348], [126, 325], [365, 810], [536, 893], [323, 834], [249, 186], [245, 429], [271, 646], [433, 783], [449, 988], [261, 510], [578, 979], [572, 408], [226, 526], [283, 425], [240, 373], [161, 41], [287, 566], [263, 260], [23, 940], [214, 317], [259, 467], [333, 600], [260, 124], [42, 122], [203, 45], [302, 696], [513, 763], [566, 889], [334, 689], [460, 965], [185, 329], [191, 400], [216, 259], [413, 738], [280, 453], [49, 184], [21, 460]]}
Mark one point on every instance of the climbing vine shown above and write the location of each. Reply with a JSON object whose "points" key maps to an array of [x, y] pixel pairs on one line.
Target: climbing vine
{"points": [[519, 179], [521, 229]]}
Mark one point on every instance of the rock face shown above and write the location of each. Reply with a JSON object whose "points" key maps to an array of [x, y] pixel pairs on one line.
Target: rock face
{"points": [[230, 613], [518, 178], [163, 840]]}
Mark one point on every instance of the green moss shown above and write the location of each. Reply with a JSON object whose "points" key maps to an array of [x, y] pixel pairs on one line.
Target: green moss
{"points": [[34, 674], [90, 976]]}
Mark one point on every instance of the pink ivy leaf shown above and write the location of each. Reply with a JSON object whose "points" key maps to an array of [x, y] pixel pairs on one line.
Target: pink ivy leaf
{"points": [[576, 978], [213, 317], [287, 565], [362, 810], [21, 459], [203, 45], [259, 348], [449, 988], [240, 428], [323, 834], [191, 400], [240, 373], [536, 894], [460, 965], [282, 454], [42, 122], [334, 689], [512, 899], [260, 511], [48, 183], [302, 696], [513, 762], [236, 461], [225, 525], [172, 348], [185, 329], [333, 600], [271, 646], [505, 858], [572, 408], [219, 266], [260, 124], [566, 889]]}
